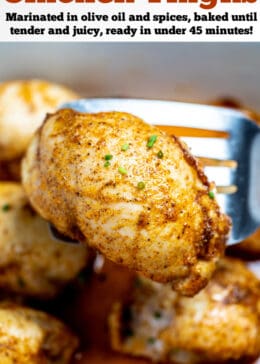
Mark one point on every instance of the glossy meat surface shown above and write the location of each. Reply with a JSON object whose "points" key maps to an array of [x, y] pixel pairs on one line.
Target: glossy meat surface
{"points": [[28, 336], [220, 323], [23, 106], [32, 263], [147, 208]]}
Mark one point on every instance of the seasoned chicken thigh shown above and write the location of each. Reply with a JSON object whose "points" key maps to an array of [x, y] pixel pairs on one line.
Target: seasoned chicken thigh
{"points": [[220, 323], [23, 105], [28, 336], [130, 191], [32, 263]]}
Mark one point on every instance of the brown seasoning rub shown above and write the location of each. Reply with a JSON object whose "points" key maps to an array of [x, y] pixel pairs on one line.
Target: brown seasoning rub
{"points": [[31, 336]]}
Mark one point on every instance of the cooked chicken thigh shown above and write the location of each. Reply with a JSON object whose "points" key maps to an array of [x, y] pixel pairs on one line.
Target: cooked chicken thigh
{"points": [[130, 191], [28, 336], [222, 322], [23, 105], [31, 261]]}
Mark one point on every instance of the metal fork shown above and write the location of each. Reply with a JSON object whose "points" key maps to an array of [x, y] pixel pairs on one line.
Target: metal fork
{"points": [[232, 158]]}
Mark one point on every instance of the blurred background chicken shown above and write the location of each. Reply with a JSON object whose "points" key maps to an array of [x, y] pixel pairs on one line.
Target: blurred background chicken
{"points": [[32, 263], [220, 323], [23, 107], [28, 336]]}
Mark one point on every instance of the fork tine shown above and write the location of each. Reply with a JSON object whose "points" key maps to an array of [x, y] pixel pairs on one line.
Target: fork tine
{"points": [[213, 162], [229, 190], [182, 131]]}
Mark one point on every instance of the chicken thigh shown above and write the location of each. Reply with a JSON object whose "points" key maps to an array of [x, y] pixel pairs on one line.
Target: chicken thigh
{"points": [[28, 336], [220, 323], [130, 191], [23, 105], [32, 263]]}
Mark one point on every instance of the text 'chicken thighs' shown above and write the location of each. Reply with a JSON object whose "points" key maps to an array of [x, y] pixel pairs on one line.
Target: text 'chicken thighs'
{"points": [[130, 191]]}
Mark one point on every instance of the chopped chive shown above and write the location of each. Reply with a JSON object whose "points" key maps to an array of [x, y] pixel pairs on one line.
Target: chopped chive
{"points": [[151, 141], [122, 170], [157, 314], [140, 185], [151, 340], [211, 195], [124, 147], [6, 207], [106, 164], [108, 157], [160, 154]]}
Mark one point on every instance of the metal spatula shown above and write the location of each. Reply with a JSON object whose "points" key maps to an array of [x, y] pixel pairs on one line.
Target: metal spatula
{"points": [[227, 142]]}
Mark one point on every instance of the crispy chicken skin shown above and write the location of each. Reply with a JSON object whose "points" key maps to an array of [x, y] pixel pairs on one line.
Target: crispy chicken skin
{"points": [[31, 262], [150, 213], [220, 323], [28, 336], [23, 105]]}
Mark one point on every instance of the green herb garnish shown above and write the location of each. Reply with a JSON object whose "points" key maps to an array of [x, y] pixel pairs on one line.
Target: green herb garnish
{"points": [[6, 207], [211, 195], [124, 147], [151, 141], [140, 185], [107, 164], [157, 314], [160, 154], [108, 157], [122, 170]]}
